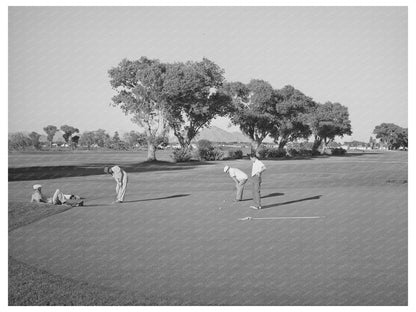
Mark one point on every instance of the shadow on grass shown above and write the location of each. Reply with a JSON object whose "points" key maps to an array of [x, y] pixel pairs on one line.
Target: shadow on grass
{"points": [[291, 202], [158, 198], [355, 154], [53, 172], [320, 156], [266, 196]]}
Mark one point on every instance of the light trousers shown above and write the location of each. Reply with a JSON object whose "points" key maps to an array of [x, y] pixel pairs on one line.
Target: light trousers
{"points": [[240, 189], [256, 190], [121, 189]]}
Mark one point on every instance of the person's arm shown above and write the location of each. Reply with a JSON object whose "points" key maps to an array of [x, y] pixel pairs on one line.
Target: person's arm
{"points": [[261, 168], [235, 180], [117, 174], [118, 179], [37, 198], [256, 169]]}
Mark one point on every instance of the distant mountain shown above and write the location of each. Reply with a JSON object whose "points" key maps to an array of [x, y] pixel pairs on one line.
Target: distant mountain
{"points": [[215, 134]]}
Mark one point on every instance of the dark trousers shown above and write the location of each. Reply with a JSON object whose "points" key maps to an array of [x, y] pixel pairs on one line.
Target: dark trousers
{"points": [[256, 190]]}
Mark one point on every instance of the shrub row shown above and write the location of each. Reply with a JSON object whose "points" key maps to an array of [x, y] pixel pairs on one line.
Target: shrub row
{"points": [[205, 151], [181, 155], [335, 151], [267, 152]]}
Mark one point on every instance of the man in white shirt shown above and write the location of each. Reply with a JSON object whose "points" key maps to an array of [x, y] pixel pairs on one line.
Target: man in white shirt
{"points": [[256, 172], [121, 178], [240, 179]]}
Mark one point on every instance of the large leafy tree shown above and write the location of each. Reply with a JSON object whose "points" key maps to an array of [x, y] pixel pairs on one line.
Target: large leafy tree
{"points": [[87, 139], [133, 137], [68, 132], [98, 137], [328, 121], [193, 97], [290, 120], [139, 86], [74, 141], [19, 141], [34, 137], [50, 132], [253, 109], [392, 135], [372, 142]]}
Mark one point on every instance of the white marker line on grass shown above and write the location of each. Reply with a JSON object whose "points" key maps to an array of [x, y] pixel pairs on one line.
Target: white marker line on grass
{"points": [[279, 218]]}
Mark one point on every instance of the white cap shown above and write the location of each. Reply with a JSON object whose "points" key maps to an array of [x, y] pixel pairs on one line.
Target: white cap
{"points": [[37, 186], [226, 168]]}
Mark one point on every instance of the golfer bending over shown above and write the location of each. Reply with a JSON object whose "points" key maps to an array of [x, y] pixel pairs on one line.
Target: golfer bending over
{"points": [[121, 178], [256, 172], [240, 179]]}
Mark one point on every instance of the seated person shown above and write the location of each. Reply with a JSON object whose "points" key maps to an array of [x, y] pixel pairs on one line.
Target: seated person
{"points": [[58, 197], [37, 195]]}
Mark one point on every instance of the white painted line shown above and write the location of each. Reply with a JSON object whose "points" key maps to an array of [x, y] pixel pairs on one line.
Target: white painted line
{"points": [[279, 218]]}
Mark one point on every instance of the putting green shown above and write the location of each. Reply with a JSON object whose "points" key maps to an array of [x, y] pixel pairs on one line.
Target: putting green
{"points": [[171, 239]]}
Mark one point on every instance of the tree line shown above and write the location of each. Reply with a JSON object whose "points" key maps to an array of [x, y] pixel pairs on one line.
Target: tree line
{"points": [[20, 141], [184, 97], [89, 139]]}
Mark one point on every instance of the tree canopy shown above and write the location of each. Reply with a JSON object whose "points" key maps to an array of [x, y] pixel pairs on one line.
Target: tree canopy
{"points": [[328, 121], [193, 97], [290, 122], [50, 132], [139, 87], [34, 137], [253, 109], [19, 141], [392, 135], [98, 137], [68, 132]]}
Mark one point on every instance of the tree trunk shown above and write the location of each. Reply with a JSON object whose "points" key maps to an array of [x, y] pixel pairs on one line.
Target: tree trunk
{"points": [[255, 146], [323, 147], [316, 145], [151, 151], [282, 145]]}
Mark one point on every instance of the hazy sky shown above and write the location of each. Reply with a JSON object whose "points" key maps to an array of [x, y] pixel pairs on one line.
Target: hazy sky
{"points": [[59, 57]]}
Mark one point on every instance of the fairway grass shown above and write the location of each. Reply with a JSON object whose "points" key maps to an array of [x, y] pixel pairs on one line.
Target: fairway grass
{"points": [[170, 244]]}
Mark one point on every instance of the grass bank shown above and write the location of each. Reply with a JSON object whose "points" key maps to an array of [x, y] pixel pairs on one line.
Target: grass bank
{"points": [[30, 286]]}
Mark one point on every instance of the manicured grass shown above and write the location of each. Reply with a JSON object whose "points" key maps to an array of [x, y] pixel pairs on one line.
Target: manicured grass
{"points": [[178, 239], [29, 286], [23, 213]]}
